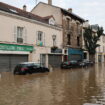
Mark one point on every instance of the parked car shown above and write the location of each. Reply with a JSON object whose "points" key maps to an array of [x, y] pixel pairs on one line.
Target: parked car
{"points": [[85, 63], [29, 67], [69, 64], [88, 62]]}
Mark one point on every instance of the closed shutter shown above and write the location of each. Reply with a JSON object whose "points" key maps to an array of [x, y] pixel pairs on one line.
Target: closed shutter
{"points": [[55, 60], [36, 37], [43, 39], [4, 63], [15, 34], [16, 59], [8, 61], [24, 35]]}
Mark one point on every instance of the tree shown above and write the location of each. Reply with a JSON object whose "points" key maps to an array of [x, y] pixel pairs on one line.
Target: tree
{"points": [[91, 38]]}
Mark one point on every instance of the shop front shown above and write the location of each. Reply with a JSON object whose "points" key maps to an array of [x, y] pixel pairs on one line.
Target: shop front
{"points": [[75, 54], [12, 54]]}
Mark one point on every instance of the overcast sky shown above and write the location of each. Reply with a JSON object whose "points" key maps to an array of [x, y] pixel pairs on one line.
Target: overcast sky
{"points": [[92, 10]]}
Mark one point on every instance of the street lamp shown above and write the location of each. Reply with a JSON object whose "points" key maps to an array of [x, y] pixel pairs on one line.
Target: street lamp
{"points": [[54, 38]]}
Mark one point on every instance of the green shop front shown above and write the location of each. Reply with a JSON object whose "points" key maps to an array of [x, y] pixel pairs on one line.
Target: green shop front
{"points": [[75, 54], [12, 54]]}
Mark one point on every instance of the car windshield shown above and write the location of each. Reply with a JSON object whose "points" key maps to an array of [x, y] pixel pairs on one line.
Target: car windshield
{"points": [[73, 61]]}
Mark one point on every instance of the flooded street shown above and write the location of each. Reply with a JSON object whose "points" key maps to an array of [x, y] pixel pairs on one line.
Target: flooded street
{"points": [[60, 87]]}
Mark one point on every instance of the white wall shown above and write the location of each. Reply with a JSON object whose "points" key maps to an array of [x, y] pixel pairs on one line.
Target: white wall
{"points": [[8, 23]]}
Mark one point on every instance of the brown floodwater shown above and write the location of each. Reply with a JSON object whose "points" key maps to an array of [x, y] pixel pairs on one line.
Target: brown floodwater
{"points": [[59, 87]]}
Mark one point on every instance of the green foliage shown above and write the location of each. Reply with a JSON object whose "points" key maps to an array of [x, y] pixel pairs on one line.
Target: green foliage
{"points": [[91, 38]]}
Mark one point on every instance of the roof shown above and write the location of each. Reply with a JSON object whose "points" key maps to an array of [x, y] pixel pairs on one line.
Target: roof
{"points": [[72, 15], [64, 11], [48, 17], [13, 10]]}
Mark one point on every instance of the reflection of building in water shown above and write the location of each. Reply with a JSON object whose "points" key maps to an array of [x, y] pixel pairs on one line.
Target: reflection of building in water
{"points": [[0, 76]]}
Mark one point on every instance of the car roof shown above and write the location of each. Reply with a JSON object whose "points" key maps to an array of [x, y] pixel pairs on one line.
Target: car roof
{"points": [[29, 63]]}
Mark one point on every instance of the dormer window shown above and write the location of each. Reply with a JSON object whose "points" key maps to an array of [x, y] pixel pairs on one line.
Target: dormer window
{"points": [[52, 21]]}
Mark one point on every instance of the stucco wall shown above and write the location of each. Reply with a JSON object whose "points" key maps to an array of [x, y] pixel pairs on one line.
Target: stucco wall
{"points": [[8, 23], [46, 10]]}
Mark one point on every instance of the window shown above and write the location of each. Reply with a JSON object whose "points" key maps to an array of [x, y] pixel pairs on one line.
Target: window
{"points": [[68, 39], [78, 41], [68, 26], [40, 36], [19, 34]]}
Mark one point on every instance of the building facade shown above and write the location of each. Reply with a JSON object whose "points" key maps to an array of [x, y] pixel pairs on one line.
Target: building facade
{"points": [[72, 28], [100, 51], [27, 37], [85, 51]]}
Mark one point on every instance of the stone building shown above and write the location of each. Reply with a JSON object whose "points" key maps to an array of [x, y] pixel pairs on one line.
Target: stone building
{"points": [[72, 28]]}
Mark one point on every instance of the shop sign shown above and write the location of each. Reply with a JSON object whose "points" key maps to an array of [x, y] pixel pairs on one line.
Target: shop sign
{"points": [[14, 47]]}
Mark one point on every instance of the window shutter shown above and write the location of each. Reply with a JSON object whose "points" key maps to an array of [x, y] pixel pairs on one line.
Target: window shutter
{"points": [[15, 34], [36, 37], [43, 39], [25, 35]]}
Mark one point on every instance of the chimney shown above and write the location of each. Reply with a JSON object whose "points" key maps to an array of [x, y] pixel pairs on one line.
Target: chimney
{"points": [[70, 10], [50, 2], [24, 7]]}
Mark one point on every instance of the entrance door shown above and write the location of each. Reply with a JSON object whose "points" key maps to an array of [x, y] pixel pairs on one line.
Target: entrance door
{"points": [[43, 59]]}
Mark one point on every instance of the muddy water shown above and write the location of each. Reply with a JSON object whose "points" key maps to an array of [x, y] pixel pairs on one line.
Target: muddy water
{"points": [[60, 87]]}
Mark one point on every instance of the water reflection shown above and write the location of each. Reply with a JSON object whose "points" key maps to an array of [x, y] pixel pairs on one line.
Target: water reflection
{"points": [[60, 87]]}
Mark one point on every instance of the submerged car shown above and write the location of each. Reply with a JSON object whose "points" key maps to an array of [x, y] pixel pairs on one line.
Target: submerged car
{"points": [[87, 62], [69, 64], [29, 68], [76, 63]]}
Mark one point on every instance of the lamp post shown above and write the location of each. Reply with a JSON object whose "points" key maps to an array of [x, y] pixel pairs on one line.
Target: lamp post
{"points": [[53, 37]]}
